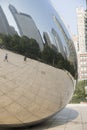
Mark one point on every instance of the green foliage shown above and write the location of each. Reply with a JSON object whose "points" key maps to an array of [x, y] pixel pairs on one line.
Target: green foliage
{"points": [[22, 45], [30, 48], [49, 56], [79, 94], [52, 57]]}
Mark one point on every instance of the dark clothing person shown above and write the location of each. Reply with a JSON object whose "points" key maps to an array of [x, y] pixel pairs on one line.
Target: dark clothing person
{"points": [[6, 57], [25, 58]]}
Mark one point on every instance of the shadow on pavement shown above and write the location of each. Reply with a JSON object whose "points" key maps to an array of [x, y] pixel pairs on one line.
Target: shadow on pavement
{"points": [[61, 118]]}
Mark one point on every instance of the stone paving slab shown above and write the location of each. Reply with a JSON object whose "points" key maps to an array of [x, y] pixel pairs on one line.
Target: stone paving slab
{"points": [[72, 117], [31, 91], [13, 97]]}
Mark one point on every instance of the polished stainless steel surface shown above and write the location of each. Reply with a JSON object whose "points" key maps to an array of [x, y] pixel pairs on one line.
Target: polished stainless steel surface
{"points": [[36, 88]]}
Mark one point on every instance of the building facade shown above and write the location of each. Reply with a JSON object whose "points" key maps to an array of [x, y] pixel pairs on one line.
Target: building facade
{"points": [[82, 39], [76, 42], [82, 66], [82, 28]]}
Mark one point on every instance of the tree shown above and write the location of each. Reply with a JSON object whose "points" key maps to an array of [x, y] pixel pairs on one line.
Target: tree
{"points": [[49, 55], [79, 94]]}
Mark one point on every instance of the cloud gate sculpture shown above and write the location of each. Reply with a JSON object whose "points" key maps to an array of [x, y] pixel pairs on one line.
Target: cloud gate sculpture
{"points": [[38, 76]]}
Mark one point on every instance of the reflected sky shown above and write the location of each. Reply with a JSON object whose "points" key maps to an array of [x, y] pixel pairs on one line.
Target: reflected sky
{"points": [[43, 14], [36, 22], [33, 8]]}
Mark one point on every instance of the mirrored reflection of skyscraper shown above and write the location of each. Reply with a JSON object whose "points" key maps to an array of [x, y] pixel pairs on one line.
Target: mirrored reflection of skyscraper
{"points": [[4, 26], [58, 43], [26, 26], [36, 88], [47, 39], [64, 36], [68, 47]]}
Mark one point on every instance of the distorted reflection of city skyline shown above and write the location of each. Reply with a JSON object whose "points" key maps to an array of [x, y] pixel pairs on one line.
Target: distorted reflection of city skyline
{"points": [[39, 22], [39, 70]]}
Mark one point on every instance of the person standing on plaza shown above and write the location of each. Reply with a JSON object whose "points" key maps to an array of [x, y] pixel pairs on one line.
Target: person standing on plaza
{"points": [[6, 57], [25, 58]]}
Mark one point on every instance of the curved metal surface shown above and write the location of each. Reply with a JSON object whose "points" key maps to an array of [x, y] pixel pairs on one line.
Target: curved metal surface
{"points": [[30, 90]]}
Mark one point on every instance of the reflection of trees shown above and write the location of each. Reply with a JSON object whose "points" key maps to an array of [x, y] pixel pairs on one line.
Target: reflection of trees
{"points": [[22, 45], [56, 59], [30, 48]]}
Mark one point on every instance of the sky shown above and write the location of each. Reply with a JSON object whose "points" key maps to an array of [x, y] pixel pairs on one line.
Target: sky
{"points": [[67, 10]]}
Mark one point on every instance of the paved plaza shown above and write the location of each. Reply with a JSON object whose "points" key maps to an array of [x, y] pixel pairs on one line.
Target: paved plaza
{"points": [[30, 90], [15, 106], [72, 117]]}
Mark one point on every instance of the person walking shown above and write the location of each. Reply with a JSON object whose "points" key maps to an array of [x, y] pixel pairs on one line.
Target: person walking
{"points": [[6, 57], [25, 58]]}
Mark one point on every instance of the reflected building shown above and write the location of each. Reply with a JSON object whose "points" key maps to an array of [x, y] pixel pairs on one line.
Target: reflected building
{"points": [[73, 55], [58, 43], [4, 26], [26, 26], [41, 87], [69, 48], [47, 39], [13, 31], [63, 35]]}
